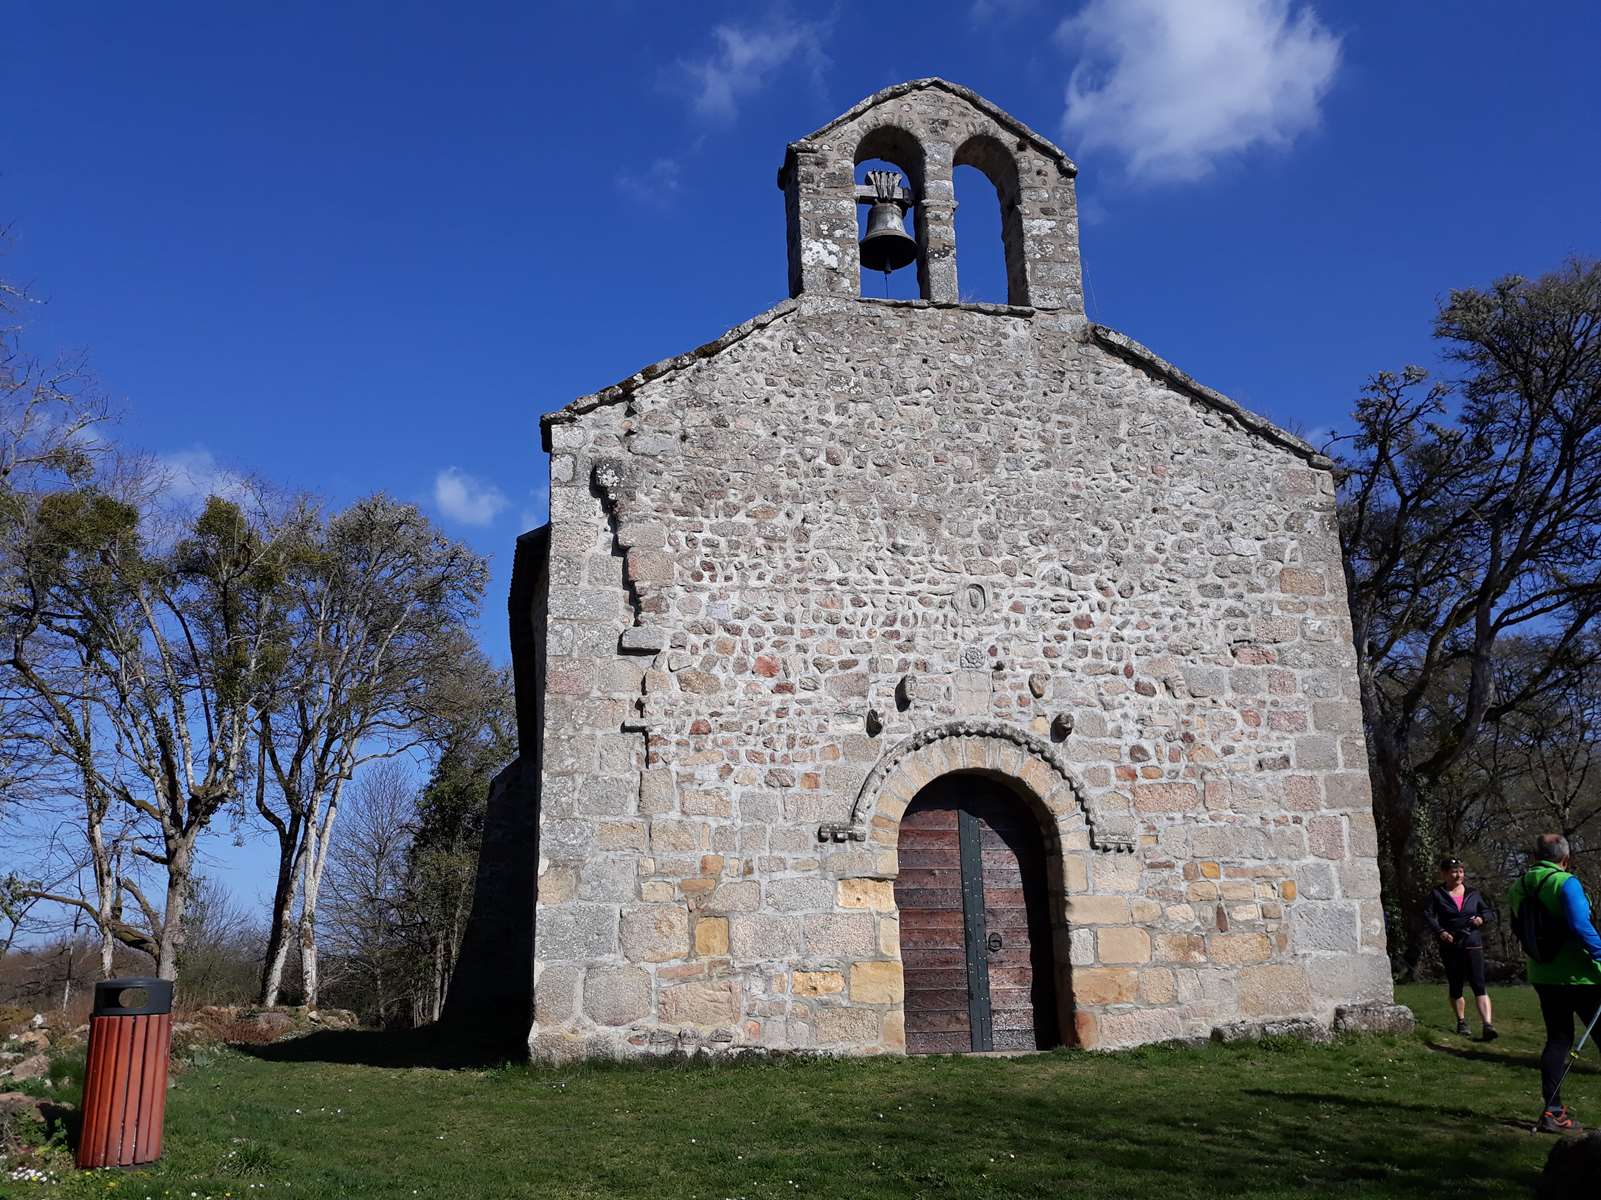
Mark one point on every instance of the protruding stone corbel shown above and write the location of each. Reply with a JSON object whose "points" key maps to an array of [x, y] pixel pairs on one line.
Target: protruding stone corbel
{"points": [[840, 831]]}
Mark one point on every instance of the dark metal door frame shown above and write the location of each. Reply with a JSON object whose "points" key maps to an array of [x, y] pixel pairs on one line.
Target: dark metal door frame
{"points": [[971, 840]]}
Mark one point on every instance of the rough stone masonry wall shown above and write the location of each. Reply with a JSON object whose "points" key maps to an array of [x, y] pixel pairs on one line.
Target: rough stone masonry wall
{"points": [[860, 522]]}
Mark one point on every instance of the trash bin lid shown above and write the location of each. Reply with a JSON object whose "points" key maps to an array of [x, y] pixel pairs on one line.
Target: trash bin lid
{"points": [[137, 996]]}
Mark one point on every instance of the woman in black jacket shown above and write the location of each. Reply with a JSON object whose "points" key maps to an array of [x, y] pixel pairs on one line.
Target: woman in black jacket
{"points": [[1457, 913]]}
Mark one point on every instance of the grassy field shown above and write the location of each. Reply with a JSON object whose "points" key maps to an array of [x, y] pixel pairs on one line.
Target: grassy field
{"points": [[1432, 1115]]}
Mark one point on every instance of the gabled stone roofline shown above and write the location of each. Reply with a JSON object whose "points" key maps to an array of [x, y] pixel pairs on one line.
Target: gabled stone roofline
{"points": [[1127, 348], [619, 392], [1120, 344], [1047, 147]]}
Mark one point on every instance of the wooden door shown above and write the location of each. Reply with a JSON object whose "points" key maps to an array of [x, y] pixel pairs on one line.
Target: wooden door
{"points": [[975, 922]]}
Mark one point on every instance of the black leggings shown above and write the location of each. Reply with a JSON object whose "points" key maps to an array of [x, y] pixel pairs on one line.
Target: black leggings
{"points": [[1559, 1004], [1463, 964]]}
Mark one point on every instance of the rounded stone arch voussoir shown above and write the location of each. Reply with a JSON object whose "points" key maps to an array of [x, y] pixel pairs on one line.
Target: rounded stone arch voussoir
{"points": [[993, 747]]}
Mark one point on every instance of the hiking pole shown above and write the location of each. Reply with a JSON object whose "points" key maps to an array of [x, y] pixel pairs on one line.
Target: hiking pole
{"points": [[1573, 1057]]}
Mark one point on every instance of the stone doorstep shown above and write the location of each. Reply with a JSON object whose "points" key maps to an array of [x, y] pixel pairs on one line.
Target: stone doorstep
{"points": [[992, 1054], [1307, 1029], [1374, 1016]]}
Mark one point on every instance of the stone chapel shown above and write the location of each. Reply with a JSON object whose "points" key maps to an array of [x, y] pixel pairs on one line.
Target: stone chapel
{"points": [[908, 676]]}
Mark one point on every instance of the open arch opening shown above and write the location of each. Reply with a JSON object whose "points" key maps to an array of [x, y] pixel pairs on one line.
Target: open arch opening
{"points": [[980, 253], [890, 148], [989, 241], [980, 896]]}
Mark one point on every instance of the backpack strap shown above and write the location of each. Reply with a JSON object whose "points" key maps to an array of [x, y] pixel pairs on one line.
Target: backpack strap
{"points": [[1559, 875]]}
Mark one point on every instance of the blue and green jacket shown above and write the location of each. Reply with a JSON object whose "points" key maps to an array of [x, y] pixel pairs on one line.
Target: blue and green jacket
{"points": [[1579, 961]]}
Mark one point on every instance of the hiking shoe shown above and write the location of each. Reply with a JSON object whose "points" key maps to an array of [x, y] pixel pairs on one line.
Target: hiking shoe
{"points": [[1489, 1034], [1558, 1120], [1462, 1028]]}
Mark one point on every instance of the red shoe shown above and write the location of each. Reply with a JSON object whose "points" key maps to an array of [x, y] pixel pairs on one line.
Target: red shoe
{"points": [[1558, 1120]]}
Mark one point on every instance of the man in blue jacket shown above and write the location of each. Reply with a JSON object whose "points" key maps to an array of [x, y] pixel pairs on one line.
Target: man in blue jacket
{"points": [[1569, 981]]}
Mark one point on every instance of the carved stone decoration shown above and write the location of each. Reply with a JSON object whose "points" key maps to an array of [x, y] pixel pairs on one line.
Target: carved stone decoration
{"points": [[1061, 726], [905, 692], [1108, 832], [609, 475], [875, 723]]}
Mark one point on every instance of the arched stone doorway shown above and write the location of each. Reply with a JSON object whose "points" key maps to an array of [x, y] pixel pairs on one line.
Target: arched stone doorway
{"points": [[975, 896]]}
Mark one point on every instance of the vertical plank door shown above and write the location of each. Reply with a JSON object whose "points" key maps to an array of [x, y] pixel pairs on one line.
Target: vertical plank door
{"points": [[1017, 923], [976, 944], [928, 892]]}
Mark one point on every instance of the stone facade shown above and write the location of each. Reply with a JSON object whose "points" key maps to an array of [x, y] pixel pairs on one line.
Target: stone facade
{"points": [[854, 545]]}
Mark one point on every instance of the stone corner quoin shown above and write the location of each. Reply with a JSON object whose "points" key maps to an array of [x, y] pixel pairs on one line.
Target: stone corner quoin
{"points": [[856, 546]]}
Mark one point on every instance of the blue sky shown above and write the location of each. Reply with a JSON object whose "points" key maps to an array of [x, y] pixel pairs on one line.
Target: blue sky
{"points": [[363, 246]]}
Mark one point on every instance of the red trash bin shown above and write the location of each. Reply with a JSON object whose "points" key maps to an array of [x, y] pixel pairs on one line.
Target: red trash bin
{"points": [[125, 1085]]}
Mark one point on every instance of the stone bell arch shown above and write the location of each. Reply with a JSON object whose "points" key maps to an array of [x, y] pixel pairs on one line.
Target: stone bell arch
{"points": [[939, 125]]}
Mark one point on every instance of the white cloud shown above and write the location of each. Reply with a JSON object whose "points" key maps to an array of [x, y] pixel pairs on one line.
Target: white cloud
{"points": [[657, 184], [664, 176], [1174, 85], [746, 58], [461, 497], [187, 476]]}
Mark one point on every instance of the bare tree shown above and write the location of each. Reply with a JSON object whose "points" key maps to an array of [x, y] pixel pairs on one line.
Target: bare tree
{"points": [[366, 880], [1463, 528], [471, 749], [49, 411], [1540, 767], [380, 602], [218, 959]]}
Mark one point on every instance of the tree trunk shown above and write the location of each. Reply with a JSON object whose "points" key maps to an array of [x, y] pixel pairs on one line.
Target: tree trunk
{"points": [[1403, 874], [282, 913], [308, 954], [108, 884], [71, 955], [172, 920], [314, 859]]}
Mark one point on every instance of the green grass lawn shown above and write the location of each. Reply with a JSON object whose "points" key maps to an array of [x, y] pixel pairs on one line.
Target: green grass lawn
{"points": [[1432, 1115]]}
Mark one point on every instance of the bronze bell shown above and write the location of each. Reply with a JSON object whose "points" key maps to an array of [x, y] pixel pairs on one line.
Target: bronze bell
{"points": [[886, 246]]}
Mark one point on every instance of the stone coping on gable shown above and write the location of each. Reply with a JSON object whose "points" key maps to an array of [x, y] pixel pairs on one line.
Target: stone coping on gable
{"points": [[620, 391], [1111, 339], [999, 115], [1127, 348]]}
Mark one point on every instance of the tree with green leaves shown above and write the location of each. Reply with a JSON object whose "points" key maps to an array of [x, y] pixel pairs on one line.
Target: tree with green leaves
{"points": [[51, 417], [142, 659], [1470, 515]]}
